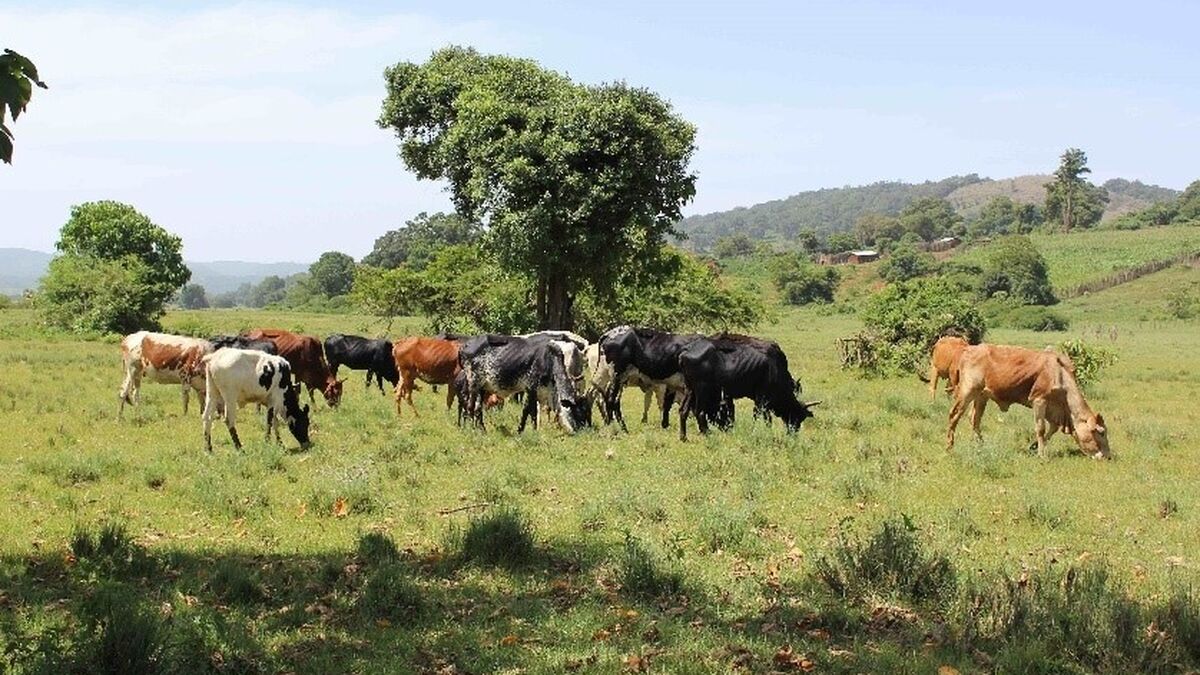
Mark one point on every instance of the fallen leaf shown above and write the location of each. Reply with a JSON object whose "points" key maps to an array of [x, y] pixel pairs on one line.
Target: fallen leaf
{"points": [[509, 640], [340, 508], [303, 509], [635, 663], [601, 635], [947, 670], [382, 623]]}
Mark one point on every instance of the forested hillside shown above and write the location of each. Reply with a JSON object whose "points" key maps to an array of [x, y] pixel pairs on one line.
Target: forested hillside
{"points": [[837, 209]]}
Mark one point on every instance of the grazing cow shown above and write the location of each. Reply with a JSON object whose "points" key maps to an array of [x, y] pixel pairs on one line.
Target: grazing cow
{"points": [[505, 365], [945, 354], [1040, 379], [309, 367], [165, 359], [239, 376], [240, 342], [360, 353], [652, 354], [725, 367], [432, 360], [600, 378]]}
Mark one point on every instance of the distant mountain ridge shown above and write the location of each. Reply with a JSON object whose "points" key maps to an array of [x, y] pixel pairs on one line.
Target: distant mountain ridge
{"points": [[836, 209], [21, 268]]}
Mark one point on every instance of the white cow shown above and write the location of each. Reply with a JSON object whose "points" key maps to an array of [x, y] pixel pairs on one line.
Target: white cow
{"points": [[236, 377], [164, 359], [600, 376]]}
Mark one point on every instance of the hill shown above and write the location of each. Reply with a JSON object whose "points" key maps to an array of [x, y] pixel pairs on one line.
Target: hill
{"points": [[21, 268], [836, 209]]}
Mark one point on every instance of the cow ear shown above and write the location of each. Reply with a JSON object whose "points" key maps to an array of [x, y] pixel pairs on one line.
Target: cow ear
{"points": [[1100, 426]]}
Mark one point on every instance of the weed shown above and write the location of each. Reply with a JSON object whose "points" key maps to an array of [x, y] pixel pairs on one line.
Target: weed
{"points": [[1041, 513], [376, 548], [501, 538], [1167, 508], [110, 552], [233, 582], [122, 636], [353, 488], [391, 594], [892, 561], [207, 642], [644, 573], [725, 526]]}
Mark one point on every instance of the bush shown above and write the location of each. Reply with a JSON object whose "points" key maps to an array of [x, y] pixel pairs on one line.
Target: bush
{"points": [[206, 642], [84, 294], [122, 636], [235, 583], [643, 573], [905, 319], [1014, 266], [110, 553], [502, 538], [1006, 313], [1184, 302], [891, 562], [376, 548], [907, 262], [801, 282], [1089, 360]]}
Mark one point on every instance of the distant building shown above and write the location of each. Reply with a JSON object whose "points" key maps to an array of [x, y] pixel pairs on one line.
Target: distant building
{"points": [[943, 244], [863, 256]]}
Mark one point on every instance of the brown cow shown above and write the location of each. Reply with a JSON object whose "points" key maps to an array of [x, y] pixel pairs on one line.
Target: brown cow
{"points": [[165, 359], [945, 353], [1043, 380], [308, 363], [432, 360]]}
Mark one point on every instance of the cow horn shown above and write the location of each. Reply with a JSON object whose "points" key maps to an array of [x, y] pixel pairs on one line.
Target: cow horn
{"points": [[810, 404]]}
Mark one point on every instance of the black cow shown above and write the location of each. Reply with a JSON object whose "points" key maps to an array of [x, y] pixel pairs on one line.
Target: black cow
{"points": [[726, 367], [360, 353], [503, 365], [242, 342], [652, 353]]}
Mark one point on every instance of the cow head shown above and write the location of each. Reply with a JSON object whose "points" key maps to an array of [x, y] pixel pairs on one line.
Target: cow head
{"points": [[333, 391], [566, 399], [618, 342], [1092, 436], [296, 417], [796, 414]]}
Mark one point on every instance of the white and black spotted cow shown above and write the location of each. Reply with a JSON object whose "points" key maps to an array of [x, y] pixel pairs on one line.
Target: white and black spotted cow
{"points": [[236, 377], [505, 365]]}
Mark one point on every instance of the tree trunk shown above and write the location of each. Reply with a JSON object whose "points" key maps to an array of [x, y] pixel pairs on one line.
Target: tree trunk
{"points": [[558, 315], [543, 316]]}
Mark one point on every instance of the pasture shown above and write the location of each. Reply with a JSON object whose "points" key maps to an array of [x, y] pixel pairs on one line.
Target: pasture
{"points": [[402, 544]]}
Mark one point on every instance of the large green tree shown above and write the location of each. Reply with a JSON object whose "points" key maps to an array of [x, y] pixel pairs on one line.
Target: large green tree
{"points": [[115, 272], [1015, 266], [930, 218], [419, 240], [1070, 198], [572, 182], [18, 75], [332, 274], [193, 297]]}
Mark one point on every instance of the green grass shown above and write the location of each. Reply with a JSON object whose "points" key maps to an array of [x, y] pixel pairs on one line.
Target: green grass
{"points": [[1087, 255], [694, 556]]}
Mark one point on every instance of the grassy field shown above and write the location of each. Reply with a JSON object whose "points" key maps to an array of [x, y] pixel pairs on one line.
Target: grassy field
{"points": [[1087, 255], [604, 551]]}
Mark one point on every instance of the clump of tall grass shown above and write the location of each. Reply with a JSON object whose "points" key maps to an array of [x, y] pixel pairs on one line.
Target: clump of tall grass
{"points": [[502, 537], [891, 562], [391, 594], [109, 552], [643, 572]]}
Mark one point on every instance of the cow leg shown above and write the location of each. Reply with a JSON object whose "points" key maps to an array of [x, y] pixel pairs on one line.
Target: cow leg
{"points": [[529, 410], [368, 379], [1039, 425], [451, 394], [956, 412], [668, 400], [209, 412], [933, 380], [977, 416], [685, 406], [230, 421], [647, 396], [129, 388], [270, 421], [614, 404]]}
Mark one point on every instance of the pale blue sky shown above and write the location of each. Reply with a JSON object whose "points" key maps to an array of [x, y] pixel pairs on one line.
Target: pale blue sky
{"points": [[248, 128]]}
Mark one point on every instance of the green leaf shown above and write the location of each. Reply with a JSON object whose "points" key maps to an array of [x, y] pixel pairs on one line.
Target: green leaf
{"points": [[26, 66], [6, 146]]}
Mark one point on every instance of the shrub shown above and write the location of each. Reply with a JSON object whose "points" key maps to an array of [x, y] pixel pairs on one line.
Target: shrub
{"points": [[234, 583], [644, 573], [801, 282], [207, 642], [391, 594], [905, 319], [1184, 302], [110, 553], [1008, 314], [891, 562], [1089, 360], [1015, 267], [907, 262], [501, 538], [122, 637], [376, 548]]}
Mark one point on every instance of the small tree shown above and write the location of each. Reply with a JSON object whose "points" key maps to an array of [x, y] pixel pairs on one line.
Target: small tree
{"points": [[420, 239], [1016, 267], [193, 297], [808, 241], [838, 242], [801, 282], [871, 228], [270, 291], [1070, 199], [128, 252], [905, 319], [907, 262], [332, 274], [734, 246], [17, 77]]}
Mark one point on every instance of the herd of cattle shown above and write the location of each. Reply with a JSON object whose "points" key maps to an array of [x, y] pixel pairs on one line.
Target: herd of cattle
{"points": [[563, 377]]}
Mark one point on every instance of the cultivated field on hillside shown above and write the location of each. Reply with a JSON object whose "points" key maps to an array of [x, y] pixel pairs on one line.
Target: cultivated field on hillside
{"points": [[1087, 255], [648, 553]]}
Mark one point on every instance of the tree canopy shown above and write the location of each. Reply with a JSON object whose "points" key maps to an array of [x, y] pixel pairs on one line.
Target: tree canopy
{"points": [[930, 218], [18, 75], [332, 274], [193, 297], [1070, 198], [572, 182], [417, 242], [1015, 266]]}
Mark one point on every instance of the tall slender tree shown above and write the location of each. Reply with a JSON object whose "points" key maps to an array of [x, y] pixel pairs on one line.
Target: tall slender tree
{"points": [[1070, 198]]}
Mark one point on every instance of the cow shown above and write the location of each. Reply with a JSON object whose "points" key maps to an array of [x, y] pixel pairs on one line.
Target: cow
{"points": [[725, 367], [504, 365], [432, 360], [600, 375], [308, 363], [240, 342], [945, 353], [651, 353], [165, 359], [1043, 380], [462, 393], [360, 353], [235, 377]]}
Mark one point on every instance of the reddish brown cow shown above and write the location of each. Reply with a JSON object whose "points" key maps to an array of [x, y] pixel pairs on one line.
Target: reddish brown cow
{"points": [[1043, 380], [303, 353], [432, 360], [945, 353], [162, 358]]}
